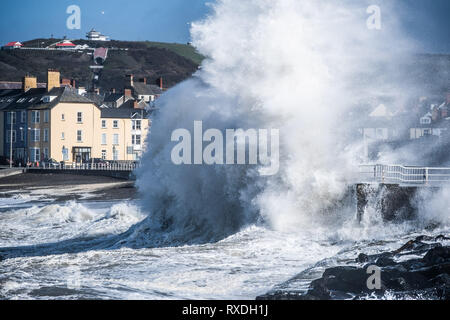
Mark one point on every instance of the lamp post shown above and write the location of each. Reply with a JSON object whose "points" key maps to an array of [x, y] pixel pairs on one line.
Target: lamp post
{"points": [[26, 143], [11, 139]]}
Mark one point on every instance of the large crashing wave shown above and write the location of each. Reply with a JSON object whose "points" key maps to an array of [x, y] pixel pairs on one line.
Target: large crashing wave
{"points": [[297, 66]]}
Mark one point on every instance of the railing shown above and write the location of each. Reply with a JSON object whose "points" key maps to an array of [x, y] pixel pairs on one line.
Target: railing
{"points": [[89, 166], [404, 174]]}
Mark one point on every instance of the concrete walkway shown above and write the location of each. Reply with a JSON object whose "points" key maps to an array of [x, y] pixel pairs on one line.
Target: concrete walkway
{"points": [[10, 172]]}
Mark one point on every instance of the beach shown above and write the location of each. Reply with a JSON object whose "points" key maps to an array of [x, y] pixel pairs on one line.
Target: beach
{"points": [[66, 187]]}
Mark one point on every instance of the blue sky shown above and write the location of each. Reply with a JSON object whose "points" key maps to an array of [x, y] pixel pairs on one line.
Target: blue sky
{"points": [[426, 21]]}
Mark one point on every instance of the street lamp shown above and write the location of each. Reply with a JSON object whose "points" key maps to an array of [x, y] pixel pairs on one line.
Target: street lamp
{"points": [[26, 143], [11, 139]]}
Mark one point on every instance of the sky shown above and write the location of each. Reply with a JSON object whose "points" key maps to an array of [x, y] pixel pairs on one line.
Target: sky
{"points": [[426, 21]]}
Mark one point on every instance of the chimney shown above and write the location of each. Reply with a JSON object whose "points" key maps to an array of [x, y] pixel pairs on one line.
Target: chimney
{"points": [[434, 113], [127, 93], [53, 79], [159, 82], [73, 83], [28, 83], [65, 82], [97, 91], [129, 80], [444, 112], [113, 90], [143, 80], [135, 104]]}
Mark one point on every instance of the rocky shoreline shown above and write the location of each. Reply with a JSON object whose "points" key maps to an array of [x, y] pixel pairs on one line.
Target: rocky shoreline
{"points": [[420, 269]]}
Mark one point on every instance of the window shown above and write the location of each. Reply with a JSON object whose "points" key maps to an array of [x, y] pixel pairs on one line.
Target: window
{"points": [[35, 117], [63, 136], [48, 99], [103, 138], [22, 135], [8, 136], [115, 124], [79, 136], [35, 154], [46, 116], [103, 124], [65, 154], [80, 117], [136, 125], [425, 120], [45, 153], [115, 139], [8, 118], [103, 154], [136, 139], [115, 154], [45, 135], [36, 135], [63, 117], [23, 116]]}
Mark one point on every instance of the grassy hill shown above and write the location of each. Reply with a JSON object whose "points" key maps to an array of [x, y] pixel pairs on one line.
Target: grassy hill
{"points": [[174, 62]]}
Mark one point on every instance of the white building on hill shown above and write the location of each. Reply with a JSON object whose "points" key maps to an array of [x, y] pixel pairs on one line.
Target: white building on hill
{"points": [[96, 36]]}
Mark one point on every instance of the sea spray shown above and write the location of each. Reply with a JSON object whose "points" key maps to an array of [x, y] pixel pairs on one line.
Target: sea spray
{"points": [[301, 67]]}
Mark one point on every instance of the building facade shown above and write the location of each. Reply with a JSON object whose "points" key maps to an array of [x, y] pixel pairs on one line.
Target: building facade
{"points": [[58, 123]]}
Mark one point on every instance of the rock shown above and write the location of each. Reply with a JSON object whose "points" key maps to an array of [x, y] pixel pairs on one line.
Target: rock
{"points": [[384, 261], [362, 258], [441, 238], [421, 278], [437, 255]]}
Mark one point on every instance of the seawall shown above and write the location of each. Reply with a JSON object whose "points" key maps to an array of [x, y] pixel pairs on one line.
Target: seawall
{"points": [[395, 202], [118, 174]]}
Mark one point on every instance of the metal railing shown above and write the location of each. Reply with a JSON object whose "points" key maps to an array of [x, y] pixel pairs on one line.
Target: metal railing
{"points": [[89, 166], [404, 174]]}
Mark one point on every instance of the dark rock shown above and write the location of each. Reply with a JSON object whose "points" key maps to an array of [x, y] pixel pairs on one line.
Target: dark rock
{"points": [[420, 278], [362, 258], [384, 261], [437, 255], [441, 238]]}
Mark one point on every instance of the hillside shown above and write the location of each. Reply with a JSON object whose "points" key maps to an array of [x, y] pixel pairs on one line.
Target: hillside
{"points": [[173, 62]]}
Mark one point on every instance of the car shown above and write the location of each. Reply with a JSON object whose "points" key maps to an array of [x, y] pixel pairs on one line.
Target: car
{"points": [[51, 163], [98, 161]]}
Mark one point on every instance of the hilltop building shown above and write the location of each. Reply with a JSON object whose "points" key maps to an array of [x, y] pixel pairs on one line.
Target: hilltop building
{"points": [[13, 45], [65, 44], [96, 36]]}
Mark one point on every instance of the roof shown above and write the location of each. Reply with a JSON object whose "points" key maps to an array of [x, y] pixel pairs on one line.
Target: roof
{"points": [[17, 85], [27, 99], [141, 88], [33, 99], [8, 96], [65, 44], [113, 97], [381, 111], [14, 44], [96, 98], [126, 111]]}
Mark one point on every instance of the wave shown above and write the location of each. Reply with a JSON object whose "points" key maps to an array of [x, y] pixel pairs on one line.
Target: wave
{"points": [[298, 66]]}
